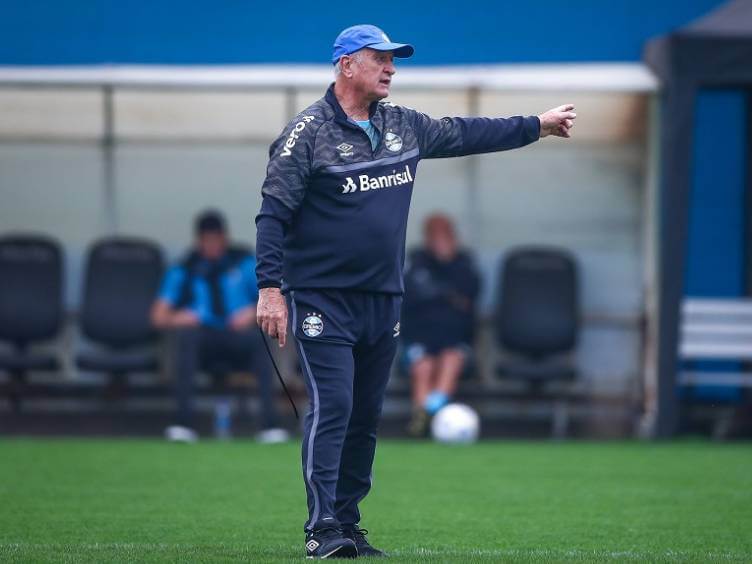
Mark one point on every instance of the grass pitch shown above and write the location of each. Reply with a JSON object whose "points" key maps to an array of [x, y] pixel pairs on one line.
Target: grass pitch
{"points": [[148, 501]]}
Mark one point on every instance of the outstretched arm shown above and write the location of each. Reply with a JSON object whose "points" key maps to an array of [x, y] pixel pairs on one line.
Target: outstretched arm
{"points": [[455, 136]]}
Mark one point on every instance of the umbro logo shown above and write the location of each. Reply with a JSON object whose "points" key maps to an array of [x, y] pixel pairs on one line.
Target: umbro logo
{"points": [[312, 545], [345, 150]]}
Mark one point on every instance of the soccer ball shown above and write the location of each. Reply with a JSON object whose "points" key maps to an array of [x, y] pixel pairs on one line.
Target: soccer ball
{"points": [[456, 423]]}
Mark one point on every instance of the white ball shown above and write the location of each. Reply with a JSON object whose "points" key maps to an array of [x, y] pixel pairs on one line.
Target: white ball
{"points": [[456, 423]]}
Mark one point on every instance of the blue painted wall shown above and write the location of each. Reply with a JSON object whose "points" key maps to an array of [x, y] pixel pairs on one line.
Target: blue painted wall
{"points": [[36, 32], [717, 215]]}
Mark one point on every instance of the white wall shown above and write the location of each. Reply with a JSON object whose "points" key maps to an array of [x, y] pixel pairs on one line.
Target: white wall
{"points": [[177, 151]]}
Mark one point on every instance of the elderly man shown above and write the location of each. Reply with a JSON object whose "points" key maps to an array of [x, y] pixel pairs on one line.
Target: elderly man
{"points": [[330, 250]]}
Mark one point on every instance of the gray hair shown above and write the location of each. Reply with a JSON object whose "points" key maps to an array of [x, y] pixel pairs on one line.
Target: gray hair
{"points": [[338, 67]]}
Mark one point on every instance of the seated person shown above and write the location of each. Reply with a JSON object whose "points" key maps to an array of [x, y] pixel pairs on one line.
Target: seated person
{"points": [[208, 304], [438, 318]]}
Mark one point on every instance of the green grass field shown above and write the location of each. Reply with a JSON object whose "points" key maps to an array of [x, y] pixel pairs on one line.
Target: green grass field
{"points": [[148, 501]]}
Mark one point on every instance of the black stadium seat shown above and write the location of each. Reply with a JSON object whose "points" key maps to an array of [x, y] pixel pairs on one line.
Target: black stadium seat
{"points": [[122, 279], [31, 305], [537, 320]]}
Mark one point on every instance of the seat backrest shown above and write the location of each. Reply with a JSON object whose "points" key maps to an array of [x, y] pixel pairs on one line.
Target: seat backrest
{"points": [[537, 302], [122, 280], [31, 288]]}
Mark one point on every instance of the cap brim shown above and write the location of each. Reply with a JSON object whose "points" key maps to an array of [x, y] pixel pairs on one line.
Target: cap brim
{"points": [[402, 50]]}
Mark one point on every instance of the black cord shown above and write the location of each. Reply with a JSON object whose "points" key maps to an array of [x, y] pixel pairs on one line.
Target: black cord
{"points": [[274, 364]]}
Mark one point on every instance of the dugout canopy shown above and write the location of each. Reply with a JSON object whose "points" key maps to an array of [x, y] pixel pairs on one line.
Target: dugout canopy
{"points": [[714, 51]]}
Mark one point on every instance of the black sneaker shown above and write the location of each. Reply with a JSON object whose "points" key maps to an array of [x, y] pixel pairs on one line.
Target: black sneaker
{"points": [[358, 536], [329, 543]]}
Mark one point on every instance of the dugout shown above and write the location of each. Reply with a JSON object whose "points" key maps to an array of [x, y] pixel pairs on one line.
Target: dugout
{"points": [[712, 52], [97, 151]]}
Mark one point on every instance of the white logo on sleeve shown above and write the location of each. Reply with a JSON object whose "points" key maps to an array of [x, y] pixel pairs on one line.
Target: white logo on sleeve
{"points": [[312, 325], [294, 135], [393, 141], [396, 330]]}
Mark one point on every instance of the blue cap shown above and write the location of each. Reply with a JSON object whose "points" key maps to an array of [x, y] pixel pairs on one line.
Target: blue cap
{"points": [[358, 36]]}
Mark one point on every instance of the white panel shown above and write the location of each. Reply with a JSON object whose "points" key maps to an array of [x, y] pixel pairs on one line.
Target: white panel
{"points": [[609, 358], [436, 104], [439, 187], [55, 190], [307, 96], [600, 116], [608, 77], [161, 188], [717, 307], [557, 192], [198, 115], [29, 113]]}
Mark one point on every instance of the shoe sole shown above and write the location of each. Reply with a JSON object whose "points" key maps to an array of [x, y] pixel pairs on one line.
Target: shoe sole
{"points": [[349, 552]]}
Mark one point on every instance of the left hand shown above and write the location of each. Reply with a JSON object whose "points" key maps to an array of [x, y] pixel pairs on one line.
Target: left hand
{"points": [[243, 319], [557, 121]]}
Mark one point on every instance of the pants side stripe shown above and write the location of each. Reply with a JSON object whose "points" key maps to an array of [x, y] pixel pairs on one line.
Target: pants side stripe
{"points": [[314, 424]]}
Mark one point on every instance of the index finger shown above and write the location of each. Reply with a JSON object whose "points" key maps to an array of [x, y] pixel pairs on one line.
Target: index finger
{"points": [[282, 333], [565, 108]]}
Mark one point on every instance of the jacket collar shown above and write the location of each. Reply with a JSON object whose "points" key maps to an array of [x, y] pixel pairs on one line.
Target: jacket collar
{"points": [[340, 115]]}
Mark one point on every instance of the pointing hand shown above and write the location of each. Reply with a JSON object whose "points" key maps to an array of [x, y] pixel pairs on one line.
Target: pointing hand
{"points": [[557, 121]]}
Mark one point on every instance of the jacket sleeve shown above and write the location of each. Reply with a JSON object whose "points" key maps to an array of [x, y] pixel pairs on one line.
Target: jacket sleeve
{"points": [[456, 137], [287, 174], [171, 284], [248, 271]]}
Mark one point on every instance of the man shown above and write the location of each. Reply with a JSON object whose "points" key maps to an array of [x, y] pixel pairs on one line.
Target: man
{"points": [[331, 236], [438, 319], [208, 304]]}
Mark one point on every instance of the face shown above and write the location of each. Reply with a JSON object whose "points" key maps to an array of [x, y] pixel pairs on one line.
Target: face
{"points": [[371, 72], [440, 238], [212, 244]]}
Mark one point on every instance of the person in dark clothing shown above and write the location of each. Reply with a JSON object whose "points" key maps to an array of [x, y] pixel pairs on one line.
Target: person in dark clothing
{"points": [[208, 304], [330, 242], [438, 318]]}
